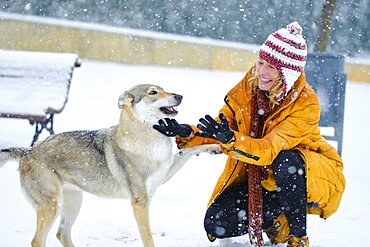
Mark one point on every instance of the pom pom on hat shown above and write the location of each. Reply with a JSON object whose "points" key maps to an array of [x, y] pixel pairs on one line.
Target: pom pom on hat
{"points": [[286, 49]]}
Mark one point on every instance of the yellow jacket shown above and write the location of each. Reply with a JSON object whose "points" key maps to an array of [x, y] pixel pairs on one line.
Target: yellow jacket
{"points": [[293, 125]]}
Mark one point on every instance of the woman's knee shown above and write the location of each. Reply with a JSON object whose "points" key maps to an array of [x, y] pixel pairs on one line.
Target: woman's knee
{"points": [[288, 162]]}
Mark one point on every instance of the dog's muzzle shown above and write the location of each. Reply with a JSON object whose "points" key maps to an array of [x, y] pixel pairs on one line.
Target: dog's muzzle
{"points": [[171, 110]]}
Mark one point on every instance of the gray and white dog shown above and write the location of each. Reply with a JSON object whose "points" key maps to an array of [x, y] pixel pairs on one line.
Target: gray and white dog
{"points": [[129, 160]]}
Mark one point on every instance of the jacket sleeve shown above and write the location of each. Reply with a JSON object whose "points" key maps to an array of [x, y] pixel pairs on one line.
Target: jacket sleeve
{"points": [[193, 140], [301, 119], [196, 140]]}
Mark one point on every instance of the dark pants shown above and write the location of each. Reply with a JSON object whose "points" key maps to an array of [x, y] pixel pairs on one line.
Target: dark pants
{"points": [[228, 215]]}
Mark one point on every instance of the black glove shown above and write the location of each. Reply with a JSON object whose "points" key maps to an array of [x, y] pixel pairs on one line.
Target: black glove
{"points": [[172, 128], [212, 129]]}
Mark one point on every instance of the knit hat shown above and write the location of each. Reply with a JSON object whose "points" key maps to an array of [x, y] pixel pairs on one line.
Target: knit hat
{"points": [[286, 50]]}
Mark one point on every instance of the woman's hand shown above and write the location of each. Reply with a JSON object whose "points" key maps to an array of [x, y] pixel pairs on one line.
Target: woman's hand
{"points": [[212, 129], [171, 128]]}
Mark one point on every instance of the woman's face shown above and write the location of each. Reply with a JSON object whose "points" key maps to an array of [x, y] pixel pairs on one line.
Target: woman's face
{"points": [[267, 75]]}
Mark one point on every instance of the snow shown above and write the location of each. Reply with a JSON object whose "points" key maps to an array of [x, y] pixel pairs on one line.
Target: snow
{"points": [[178, 207]]}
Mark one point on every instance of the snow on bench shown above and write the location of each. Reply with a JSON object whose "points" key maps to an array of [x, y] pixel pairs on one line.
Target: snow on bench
{"points": [[35, 86]]}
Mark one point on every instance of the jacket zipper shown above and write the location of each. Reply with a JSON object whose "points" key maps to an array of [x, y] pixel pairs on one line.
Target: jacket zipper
{"points": [[273, 115], [237, 162]]}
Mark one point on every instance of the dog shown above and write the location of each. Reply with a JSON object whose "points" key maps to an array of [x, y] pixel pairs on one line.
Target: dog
{"points": [[128, 161]]}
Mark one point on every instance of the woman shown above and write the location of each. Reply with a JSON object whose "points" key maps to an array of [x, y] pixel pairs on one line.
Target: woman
{"points": [[279, 167]]}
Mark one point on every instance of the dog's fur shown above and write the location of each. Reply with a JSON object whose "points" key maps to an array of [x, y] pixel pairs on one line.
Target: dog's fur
{"points": [[129, 160]]}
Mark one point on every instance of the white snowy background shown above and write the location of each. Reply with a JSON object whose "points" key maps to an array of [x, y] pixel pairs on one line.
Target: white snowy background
{"points": [[178, 207]]}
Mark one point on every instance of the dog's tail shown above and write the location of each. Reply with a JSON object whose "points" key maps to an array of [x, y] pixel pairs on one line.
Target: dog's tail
{"points": [[9, 154]]}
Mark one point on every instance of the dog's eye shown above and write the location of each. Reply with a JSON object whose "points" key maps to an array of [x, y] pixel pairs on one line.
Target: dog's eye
{"points": [[153, 92]]}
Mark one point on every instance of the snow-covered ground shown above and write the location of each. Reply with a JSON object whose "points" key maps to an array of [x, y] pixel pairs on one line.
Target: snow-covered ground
{"points": [[178, 207]]}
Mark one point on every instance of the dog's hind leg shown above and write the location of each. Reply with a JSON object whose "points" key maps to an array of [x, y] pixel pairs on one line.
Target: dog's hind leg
{"points": [[42, 187], [141, 212], [46, 215], [72, 200]]}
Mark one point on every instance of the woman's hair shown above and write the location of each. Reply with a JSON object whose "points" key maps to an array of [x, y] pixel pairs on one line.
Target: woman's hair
{"points": [[274, 91]]}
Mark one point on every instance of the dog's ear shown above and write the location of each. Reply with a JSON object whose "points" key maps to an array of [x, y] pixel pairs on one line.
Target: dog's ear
{"points": [[125, 99]]}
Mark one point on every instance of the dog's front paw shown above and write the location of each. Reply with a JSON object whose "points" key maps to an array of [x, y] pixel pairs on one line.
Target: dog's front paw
{"points": [[212, 149], [207, 148]]}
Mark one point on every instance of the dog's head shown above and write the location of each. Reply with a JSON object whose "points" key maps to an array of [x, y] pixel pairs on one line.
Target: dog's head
{"points": [[149, 103]]}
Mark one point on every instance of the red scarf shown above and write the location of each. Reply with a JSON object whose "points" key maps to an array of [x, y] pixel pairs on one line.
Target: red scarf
{"points": [[261, 108]]}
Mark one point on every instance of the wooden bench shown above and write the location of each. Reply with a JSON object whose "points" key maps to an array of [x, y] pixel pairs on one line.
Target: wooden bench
{"points": [[35, 86], [325, 73]]}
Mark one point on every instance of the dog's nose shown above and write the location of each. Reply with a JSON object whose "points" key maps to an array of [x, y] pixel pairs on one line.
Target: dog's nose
{"points": [[178, 97]]}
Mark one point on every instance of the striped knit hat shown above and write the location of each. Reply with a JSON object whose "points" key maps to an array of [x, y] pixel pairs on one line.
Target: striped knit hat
{"points": [[286, 50]]}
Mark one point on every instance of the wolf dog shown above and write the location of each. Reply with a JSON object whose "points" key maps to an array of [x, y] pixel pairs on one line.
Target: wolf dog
{"points": [[129, 161]]}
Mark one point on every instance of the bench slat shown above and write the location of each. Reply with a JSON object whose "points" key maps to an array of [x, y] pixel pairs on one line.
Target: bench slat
{"points": [[36, 97]]}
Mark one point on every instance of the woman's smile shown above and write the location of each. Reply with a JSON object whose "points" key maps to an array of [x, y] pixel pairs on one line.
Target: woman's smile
{"points": [[266, 75]]}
